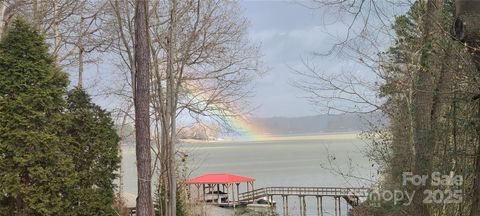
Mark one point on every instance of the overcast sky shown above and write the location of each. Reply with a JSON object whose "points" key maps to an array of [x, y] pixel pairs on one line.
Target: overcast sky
{"points": [[287, 32]]}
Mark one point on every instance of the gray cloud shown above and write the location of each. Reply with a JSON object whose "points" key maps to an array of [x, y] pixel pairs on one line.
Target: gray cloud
{"points": [[287, 32]]}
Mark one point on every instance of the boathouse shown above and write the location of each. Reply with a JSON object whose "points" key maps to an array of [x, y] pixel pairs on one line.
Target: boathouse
{"points": [[219, 188]]}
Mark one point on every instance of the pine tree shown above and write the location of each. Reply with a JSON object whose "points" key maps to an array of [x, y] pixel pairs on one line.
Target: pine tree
{"points": [[453, 114], [93, 147], [35, 173]]}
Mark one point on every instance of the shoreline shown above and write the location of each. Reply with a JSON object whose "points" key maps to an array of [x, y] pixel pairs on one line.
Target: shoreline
{"points": [[353, 135], [336, 136]]}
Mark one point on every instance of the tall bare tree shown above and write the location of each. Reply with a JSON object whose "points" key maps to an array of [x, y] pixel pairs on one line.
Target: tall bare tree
{"points": [[74, 29], [201, 63], [169, 126], [424, 100], [142, 113], [201, 69]]}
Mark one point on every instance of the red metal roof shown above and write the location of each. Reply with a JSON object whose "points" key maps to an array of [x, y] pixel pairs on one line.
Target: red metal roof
{"points": [[219, 179]]}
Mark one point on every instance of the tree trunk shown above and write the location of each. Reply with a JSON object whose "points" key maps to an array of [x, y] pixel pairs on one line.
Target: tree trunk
{"points": [[81, 48], [36, 14], [467, 23], [171, 113], [3, 7], [80, 66], [142, 103], [475, 208], [56, 30], [467, 29], [423, 103]]}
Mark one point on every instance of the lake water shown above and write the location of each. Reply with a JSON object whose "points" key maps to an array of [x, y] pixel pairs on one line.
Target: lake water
{"points": [[291, 161]]}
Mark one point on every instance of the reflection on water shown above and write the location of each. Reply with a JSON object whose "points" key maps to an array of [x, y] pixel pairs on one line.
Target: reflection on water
{"points": [[292, 162]]}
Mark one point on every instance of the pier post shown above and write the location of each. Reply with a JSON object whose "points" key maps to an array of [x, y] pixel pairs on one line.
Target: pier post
{"points": [[228, 194], [300, 205], [348, 207], [319, 205], [270, 201], [198, 193], [304, 204], [218, 194], [253, 193], [339, 206], [238, 193], [336, 207], [233, 194], [286, 204]]}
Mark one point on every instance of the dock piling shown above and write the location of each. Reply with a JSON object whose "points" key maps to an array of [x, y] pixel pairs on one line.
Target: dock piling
{"points": [[301, 206], [319, 205], [304, 204], [339, 206], [286, 204], [336, 207]]}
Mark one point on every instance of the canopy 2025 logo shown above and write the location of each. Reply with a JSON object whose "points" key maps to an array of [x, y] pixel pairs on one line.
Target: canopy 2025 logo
{"points": [[445, 190]]}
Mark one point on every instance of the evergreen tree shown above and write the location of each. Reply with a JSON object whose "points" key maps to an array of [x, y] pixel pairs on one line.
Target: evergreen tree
{"points": [[94, 149], [453, 114], [35, 173]]}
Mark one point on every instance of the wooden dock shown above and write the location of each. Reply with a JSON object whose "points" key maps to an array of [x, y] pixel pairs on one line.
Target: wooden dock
{"points": [[350, 195], [209, 186]]}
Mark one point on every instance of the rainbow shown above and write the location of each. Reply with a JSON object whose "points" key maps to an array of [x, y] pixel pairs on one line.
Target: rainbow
{"points": [[238, 122], [248, 129]]}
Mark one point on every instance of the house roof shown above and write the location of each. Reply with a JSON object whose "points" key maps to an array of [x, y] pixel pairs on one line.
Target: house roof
{"points": [[219, 179]]}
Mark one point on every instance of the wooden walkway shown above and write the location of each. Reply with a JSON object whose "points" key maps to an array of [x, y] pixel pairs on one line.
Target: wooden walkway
{"points": [[350, 195]]}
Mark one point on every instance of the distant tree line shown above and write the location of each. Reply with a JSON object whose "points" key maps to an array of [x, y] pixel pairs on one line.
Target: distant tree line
{"points": [[328, 123]]}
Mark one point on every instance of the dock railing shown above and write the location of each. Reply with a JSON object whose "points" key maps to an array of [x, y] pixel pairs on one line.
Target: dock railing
{"points": [[304, 191]]}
